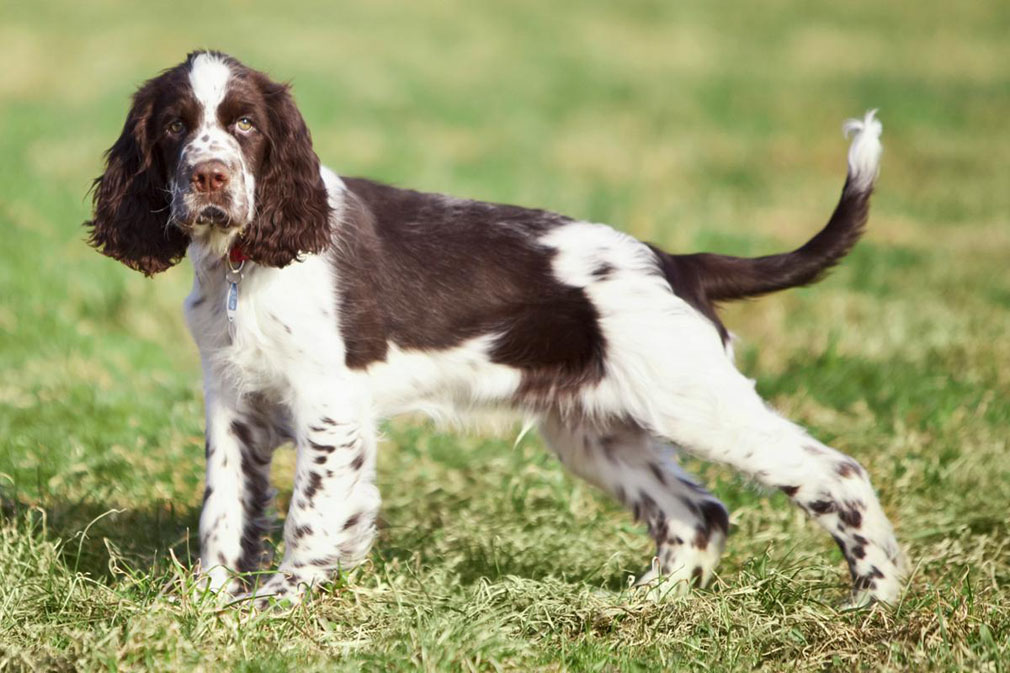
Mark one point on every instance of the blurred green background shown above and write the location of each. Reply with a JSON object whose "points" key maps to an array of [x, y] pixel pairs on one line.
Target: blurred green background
{"points": [[695, 125]]}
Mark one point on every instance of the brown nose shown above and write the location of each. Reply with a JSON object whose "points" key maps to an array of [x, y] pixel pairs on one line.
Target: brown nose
{"points": [[209, 177]]}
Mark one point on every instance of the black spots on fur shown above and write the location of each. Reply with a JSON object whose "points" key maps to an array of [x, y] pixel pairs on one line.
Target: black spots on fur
{"points": [[358, 461], [859, 552], [254, 503], [691, 485], [658, 526], [848, 468], [222, 559], [716, 516], [242, 432], [790, 491], [326, 420], [701, 535], [352, 521], [206, 493], [610, 444], [862, 583], [325, 448], [860, 540], [302, 531], [208, 450], [648, 503], [319, 460], [690, 505], [867, 581], [280, 322], [657, 472], [603, 271], [315, 481], [821, 506], [696, 575], [851, 516], [250, 470], [813, 449], [252, 545]]}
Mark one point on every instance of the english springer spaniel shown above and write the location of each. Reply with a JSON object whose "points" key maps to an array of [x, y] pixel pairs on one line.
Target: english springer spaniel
{"points": [[322, 304]]}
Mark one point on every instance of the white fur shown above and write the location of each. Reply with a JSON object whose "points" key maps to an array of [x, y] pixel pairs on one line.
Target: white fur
{"points": [[650, 332], [208, 79], [211, 141], [865, 150], [440, 383], [626, 471]]}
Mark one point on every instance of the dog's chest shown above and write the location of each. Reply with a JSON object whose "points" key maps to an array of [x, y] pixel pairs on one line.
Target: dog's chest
{"points": [[266, 328]]}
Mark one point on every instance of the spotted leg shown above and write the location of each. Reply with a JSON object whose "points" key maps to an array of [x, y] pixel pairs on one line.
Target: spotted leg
{"points": [[331, 520], [688, 524], [240, 443], [720, 417]]}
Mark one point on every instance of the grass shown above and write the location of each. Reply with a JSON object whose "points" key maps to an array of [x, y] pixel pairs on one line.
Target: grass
{"points": [[695, 125]]}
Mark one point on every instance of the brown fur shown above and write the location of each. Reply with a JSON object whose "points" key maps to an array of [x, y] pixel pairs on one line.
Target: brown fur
{"points": [[132, 200]]}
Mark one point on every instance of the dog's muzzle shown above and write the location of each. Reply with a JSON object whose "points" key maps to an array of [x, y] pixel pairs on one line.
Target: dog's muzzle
{"points": [[214, 216]]}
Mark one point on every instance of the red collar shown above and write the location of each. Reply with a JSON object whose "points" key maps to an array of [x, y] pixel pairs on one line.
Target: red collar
{"points": [[236, 255]]}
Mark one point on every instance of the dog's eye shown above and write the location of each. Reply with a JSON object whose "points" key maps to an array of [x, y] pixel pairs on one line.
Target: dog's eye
{"points": [[175, 127], [244, 124]]}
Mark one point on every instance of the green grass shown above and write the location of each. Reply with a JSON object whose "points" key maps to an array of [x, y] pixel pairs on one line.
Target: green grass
{"points": [[692, 124]]}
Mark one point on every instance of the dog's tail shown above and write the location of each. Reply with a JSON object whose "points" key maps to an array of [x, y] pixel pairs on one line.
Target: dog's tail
{"points": [[724, 278]]}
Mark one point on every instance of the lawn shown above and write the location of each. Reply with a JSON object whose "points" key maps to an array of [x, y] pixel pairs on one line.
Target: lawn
{"points": [[695, 125]]}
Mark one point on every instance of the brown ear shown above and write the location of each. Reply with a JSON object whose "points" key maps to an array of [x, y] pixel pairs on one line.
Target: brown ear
{"points": [[131, 199], [292, 210]]}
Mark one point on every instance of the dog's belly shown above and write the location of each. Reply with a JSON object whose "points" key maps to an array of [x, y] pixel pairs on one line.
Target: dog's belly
{"points": [[439, 382]]}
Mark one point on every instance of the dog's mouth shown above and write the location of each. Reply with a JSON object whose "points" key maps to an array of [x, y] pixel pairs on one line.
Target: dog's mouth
{"points": [[215, 216]]}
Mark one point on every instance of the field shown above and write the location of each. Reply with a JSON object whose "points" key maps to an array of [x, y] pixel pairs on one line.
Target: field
{"points": [[695, 125]]}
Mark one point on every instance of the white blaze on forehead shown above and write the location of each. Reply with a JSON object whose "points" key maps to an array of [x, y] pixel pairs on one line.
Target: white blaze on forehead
{"points": [[208, 76]]}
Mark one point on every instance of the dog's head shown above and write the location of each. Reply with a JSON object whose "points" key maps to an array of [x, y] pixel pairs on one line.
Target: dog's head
{"points": [[212, 152]]}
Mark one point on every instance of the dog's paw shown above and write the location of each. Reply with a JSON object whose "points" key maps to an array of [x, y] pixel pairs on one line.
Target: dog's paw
{"points": [[690, 568], [281, 589]]}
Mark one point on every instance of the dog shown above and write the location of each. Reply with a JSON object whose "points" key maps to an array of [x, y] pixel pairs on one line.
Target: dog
{"points": [[322, 304]]}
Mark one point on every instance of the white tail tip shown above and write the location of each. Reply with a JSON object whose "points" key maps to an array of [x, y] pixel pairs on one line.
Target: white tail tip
{"points": [[864, 152]]}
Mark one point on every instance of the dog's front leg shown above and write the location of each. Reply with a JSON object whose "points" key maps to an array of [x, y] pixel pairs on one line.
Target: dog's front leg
{"points": [[331, 520], [240, 442]]}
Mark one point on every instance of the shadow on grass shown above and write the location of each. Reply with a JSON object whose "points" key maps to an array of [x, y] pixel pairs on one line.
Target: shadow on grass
{"points": [[142, 537]]}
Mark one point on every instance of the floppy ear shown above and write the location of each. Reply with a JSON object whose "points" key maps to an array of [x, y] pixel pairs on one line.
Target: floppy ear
{"points": [[292, 209], [131, 199]]}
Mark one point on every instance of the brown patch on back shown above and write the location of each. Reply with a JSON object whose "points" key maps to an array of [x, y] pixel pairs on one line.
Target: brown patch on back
{"points": [[429, 272]]}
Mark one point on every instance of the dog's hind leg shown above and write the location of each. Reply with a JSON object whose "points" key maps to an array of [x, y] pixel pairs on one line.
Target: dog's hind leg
{"points": [[688, 523], [713, 411]]}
